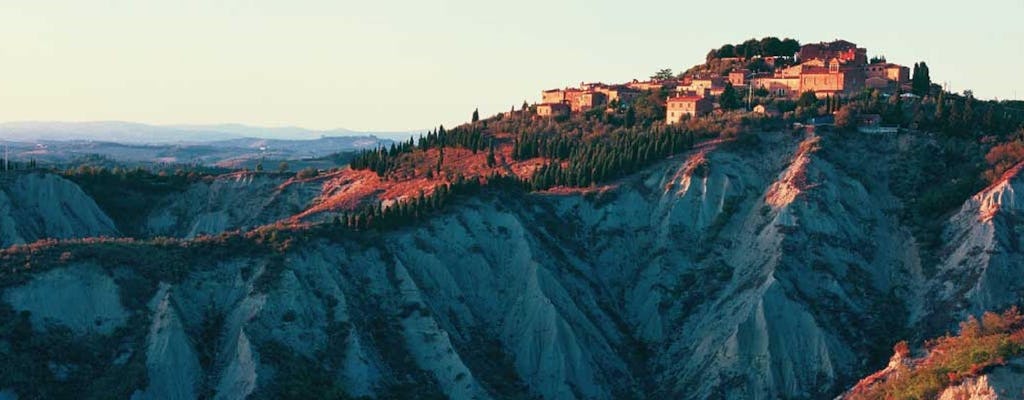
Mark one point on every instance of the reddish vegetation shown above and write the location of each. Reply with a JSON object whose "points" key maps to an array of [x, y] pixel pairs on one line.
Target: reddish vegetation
{"points": [[1005, 160], [949, 359], [348, 189]]}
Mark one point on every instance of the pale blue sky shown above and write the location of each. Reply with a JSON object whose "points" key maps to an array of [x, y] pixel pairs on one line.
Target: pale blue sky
{"points": [[395, 65]]}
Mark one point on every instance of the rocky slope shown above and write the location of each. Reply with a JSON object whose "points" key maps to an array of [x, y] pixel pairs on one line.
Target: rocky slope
{"points": [[35, 206], [760, 271], [1006, 382], [984, 247], [234, 201]]}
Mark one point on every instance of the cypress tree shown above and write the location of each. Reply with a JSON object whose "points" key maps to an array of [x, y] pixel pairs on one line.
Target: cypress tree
{"points": [[490, 156], [440, 159]]}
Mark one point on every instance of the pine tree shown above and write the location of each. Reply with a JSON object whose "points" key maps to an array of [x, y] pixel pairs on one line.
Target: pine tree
{"points": [[476, 115]]}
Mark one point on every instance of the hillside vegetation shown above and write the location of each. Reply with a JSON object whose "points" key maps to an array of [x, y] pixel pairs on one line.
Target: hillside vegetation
{"points": [[948, 360]]}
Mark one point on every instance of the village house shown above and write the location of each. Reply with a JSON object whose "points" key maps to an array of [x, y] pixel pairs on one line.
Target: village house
{"points": [[576, 99], [846, 52], [587, 100], [619, 93], [838, 78], [587, 96], [887, 77], [778, 85], [552, 109], [739, 77], [838, 68], [652, 85], [552, 96], [703, 86], [692, 106]]}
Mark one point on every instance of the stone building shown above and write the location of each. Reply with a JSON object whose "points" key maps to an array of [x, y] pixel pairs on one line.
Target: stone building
{"points": [[587, 100], [837, 78], [644, 86], [887, 77], [778, 85], [693, 106], [552, 96], [703, 86], [619, 93], [739, 77], [845, 51], [552, 109]]}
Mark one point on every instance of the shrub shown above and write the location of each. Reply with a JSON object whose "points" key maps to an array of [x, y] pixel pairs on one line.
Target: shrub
{"points": [[980, 345], [1002, 158], [307, 173]]}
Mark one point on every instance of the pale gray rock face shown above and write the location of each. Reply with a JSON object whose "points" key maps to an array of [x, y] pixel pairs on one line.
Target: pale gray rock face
{"points": [[984, 242], [36, 206], [235, 201], [1004, 382], [81, 297]]}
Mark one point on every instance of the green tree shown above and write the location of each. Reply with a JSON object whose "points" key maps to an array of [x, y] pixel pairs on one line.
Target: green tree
{"points": [[807, 99], [440, 159], [846, 117], [663, 75], [476, 115], [730, 100], [307, 173], [921, 81], [491, 161]]}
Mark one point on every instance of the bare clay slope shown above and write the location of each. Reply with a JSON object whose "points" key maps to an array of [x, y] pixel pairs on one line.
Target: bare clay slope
{"points": [[233, 201], [984, 252], [739, 270], [36, 206]]}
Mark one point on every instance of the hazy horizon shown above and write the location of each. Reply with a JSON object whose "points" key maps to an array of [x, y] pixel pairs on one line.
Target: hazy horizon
{"points": [[142, 133], [397, 66]]}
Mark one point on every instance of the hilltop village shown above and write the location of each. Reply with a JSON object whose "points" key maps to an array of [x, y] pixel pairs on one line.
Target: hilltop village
{"points": [[828, 70]]}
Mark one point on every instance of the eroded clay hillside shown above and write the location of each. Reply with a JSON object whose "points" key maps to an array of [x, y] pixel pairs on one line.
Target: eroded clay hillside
{"points": [[775, 268], [36, 206]]}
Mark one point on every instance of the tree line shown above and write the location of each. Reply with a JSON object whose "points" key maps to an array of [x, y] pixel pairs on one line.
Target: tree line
{"points": [[766, 47], [405, 211], [385, 159], [577, 162]]}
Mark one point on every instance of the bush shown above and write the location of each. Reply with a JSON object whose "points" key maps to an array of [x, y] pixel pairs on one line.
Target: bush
{"points": [[307, 173], [1002, 158], [980, 345]]}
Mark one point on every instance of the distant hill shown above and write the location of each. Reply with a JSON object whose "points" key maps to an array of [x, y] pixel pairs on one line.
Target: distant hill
{"points": [[229, 153], [136, 133]]}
